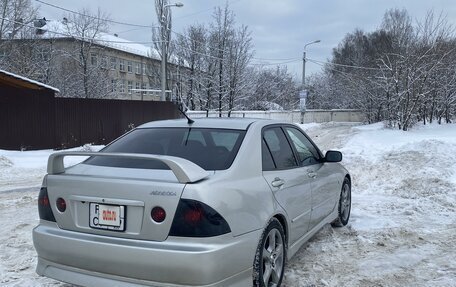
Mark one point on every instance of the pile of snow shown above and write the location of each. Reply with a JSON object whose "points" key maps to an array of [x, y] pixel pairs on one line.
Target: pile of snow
{"points": [[309, 126], [403, 223], [21, 169]]}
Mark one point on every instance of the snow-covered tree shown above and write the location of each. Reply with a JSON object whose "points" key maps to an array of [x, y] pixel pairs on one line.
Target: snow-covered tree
{"points": [[83, 58], [401, 73]]}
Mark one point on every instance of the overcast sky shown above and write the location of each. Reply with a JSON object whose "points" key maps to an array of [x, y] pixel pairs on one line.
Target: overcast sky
{"points": [[280, 28]]}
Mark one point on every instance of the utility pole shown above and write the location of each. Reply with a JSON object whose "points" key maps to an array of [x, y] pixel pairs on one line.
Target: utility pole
{"points": [[164, 56], [164, 42], [303, 69], [303, 93]]}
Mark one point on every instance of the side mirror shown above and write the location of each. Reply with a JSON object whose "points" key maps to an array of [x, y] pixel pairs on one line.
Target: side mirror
{"points": [[333, 156]]}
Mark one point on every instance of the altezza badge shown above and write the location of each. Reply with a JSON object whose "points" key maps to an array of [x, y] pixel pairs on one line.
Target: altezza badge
{"points": [[163, 193]]}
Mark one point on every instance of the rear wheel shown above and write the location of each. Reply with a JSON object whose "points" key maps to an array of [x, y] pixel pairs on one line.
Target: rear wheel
{"points": [[270, 256], [344, 205]]}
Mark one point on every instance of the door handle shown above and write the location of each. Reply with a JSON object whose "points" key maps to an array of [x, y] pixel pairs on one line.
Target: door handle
{"points": [[277, 182], [311, 173]]}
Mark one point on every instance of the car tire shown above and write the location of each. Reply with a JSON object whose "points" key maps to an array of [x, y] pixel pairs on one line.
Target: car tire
{"points": [[270, 257], [344, 207]]}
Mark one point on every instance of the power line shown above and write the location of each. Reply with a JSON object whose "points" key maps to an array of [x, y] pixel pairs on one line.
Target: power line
{"points": [[130, 30], [287, 60], [276, 64], [345, 74], [341, 65], [103, 41], [94, 17], [199, 53], [279, 59], [225, 51], [77, 37], [254, 64]]}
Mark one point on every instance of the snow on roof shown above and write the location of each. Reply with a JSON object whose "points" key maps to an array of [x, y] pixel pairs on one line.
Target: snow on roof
{"points": [[29, 80], [117, 43], [57, 29]]}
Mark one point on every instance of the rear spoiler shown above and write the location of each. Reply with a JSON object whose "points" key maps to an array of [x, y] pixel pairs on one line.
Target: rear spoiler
{"points": [[184, 170]]}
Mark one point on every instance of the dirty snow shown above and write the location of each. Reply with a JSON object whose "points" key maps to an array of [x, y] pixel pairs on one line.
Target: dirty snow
{"points": [[402, 230]]}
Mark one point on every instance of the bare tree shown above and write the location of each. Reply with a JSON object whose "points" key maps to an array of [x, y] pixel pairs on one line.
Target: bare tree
{"points": [[221, 35], [272, 89], [85, 28], [217, 58], [401, 73], [240, 54], [16, 16], [191, 47]]}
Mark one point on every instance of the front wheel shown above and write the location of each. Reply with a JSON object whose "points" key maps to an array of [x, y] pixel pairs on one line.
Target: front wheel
{"points": [[270, 256], [344, 205]]}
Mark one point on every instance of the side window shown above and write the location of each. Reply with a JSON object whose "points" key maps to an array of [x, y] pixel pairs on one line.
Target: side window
{"points": [[281, 151], [268, 162], [307, 153]]}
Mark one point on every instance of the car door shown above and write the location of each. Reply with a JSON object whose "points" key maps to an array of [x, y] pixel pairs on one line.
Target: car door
{"points": [[322, 181], [291, 189]]}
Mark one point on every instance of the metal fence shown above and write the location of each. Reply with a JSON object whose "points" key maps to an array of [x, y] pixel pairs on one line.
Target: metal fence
{"points": [[39, 122], [316, 116]]}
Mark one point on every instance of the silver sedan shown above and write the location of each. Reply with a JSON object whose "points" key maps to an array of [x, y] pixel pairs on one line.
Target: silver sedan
{"points": [[214, 202]]}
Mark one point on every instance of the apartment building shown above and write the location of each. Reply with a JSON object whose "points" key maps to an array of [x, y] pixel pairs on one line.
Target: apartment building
{"points": [[114, 68]]}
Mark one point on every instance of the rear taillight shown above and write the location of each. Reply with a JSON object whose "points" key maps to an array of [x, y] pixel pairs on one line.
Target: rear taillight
{"points": [[44, 206], [158, 214], [196, 219], [61, 204]]}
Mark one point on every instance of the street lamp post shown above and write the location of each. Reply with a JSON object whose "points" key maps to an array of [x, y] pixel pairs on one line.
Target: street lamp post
{"points": [[303, 93], [163, 48]]}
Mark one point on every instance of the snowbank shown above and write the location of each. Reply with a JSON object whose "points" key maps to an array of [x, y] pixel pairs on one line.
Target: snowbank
{"points": [[403, 223], [19, 169]]}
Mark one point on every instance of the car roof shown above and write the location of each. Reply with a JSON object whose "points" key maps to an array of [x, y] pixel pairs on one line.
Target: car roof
{"points": [[220, 123]]}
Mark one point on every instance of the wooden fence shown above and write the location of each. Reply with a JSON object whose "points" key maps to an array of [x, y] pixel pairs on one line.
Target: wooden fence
{"points": [[29, 121]]}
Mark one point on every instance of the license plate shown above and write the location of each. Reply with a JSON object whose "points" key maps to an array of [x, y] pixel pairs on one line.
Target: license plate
{"points": [[108, 217]]}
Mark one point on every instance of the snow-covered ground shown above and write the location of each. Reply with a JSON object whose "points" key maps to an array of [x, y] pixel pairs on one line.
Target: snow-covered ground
{"points": [[402, 231], [27, 168]]}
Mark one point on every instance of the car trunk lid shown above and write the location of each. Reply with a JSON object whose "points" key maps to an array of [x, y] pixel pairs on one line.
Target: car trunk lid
{"points": [[118, 201]]}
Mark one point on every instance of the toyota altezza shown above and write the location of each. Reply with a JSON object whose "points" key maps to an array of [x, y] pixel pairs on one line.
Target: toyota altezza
{"points": [[214, 202]]}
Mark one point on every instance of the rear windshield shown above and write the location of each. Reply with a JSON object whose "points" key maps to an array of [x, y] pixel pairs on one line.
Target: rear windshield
{"points": [[211, 149]]}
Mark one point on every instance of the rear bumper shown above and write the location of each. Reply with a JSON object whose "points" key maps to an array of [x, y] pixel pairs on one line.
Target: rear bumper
{"points": [[94, 260]]}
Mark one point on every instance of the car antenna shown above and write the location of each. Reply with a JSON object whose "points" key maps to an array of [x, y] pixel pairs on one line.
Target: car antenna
{"points": [[189, 120]]}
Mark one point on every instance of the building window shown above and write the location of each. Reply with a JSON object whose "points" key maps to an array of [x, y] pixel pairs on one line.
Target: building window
{"points": [[130, 67], [138, 85], [122, 86], [143, 86], [104, 62], [138, 68], [93, 59], [113, 86], [130, 86], [113, 63], [144, 69], [121, 65]]}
